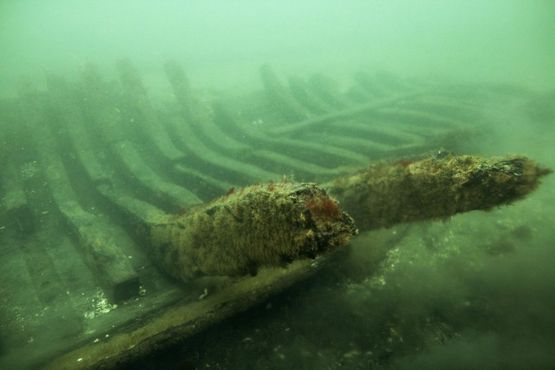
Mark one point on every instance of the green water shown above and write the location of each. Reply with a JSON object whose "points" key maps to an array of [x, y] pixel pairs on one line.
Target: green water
{"points": [[93, 136]]}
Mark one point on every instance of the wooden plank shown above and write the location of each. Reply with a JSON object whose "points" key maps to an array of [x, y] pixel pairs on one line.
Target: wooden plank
{"points": [[376, 130], [198, 115], [184, 320], [279, 97], [300, 90], [172, 195], [319, 122], [111, 267], [225, 167], [139, 114], [265, 139]]}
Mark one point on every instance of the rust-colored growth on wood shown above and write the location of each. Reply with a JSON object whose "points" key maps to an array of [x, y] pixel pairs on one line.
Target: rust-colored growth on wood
{"points": [[325, 208]]}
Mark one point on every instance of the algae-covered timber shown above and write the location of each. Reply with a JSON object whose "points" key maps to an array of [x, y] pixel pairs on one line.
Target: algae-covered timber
{"points": [[408, 190], [257, 226], [270, 224]]}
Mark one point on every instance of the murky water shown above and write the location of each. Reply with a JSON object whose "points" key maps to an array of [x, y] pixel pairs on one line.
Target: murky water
{"points": [[119, 117]]}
